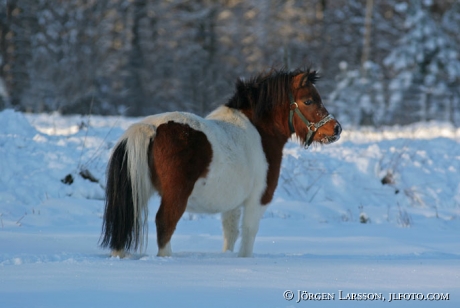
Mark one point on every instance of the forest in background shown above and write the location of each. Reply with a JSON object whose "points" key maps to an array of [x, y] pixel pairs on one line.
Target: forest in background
{"points": [[382, 62]]}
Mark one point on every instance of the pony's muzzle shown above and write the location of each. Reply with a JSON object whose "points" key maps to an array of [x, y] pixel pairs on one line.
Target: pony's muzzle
{"points": [[337, 129], [335, 137]]}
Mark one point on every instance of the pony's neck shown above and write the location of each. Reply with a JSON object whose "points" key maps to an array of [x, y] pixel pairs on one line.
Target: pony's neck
{"points": [[272, 143]]}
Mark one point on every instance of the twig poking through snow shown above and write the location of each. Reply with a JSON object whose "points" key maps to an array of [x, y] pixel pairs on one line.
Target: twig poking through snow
{"points": [[19, 220], [404, 218]]}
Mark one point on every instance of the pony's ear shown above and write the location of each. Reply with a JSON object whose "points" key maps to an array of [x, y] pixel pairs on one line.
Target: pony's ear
{"points": [[312, 76], [309, 76]]}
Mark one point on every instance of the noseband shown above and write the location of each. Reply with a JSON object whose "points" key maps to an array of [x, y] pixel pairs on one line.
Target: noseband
{"points": [[312, 127]]}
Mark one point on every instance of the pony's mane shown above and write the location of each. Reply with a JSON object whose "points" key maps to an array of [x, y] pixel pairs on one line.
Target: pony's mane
{"points": [[266, 91]]}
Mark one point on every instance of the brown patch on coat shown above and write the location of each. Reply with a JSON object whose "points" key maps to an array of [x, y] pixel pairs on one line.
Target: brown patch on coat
{"points": [[272, 144], [273, 149], [179, 156]]}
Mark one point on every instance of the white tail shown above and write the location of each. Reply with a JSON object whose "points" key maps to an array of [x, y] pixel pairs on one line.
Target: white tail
{"points": [[138, 138]]}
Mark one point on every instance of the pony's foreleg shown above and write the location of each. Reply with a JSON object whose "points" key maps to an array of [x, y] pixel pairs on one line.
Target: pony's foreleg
{"points": [[251, 219], [230, 224]]}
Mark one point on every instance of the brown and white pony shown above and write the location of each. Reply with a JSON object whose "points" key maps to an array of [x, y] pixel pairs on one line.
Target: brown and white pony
{"points": [[224, 163]]}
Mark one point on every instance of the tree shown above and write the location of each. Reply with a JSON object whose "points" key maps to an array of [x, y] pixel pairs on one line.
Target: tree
{"points": [[359, 96], [451, 24], [425, 67], [17, 22], [367, 35], [136, 61], [4, 32]]}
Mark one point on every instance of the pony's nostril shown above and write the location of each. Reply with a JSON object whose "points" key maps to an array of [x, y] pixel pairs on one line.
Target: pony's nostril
{"points": [[337, 129]]}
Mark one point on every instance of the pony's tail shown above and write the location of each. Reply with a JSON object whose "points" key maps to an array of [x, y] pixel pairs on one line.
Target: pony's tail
{"points": [[128, 191]]}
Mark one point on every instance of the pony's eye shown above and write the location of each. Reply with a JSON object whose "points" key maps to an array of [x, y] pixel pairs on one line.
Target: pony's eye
{"points": [[308, 102]]}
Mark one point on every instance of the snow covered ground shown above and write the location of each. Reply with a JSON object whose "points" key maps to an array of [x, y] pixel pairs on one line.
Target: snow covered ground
{"points": [[332, 231]]}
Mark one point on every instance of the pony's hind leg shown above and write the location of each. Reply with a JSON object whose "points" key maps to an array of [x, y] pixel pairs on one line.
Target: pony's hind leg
{"points": [[230, 224], [181, 155], [171, 209]]}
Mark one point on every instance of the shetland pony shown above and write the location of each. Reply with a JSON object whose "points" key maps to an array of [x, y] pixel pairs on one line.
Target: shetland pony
{"points": [[228, 162]]}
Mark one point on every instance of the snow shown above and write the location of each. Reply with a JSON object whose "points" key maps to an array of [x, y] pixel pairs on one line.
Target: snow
{"points": [[332, 225]]}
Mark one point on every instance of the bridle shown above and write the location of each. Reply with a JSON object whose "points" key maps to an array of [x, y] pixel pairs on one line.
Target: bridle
{"points": [[312, 127]]}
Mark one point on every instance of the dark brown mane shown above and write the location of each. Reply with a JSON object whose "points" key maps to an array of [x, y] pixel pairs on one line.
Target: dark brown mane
{"points": [[266, 91]]}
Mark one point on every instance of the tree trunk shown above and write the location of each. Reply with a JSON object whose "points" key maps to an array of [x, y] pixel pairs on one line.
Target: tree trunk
{"points": [[16, 49], [136, 97], [367, 36]]}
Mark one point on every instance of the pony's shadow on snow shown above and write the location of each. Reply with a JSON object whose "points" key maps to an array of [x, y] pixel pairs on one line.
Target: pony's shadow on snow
{"points": [[181, 255], [194, 255]]}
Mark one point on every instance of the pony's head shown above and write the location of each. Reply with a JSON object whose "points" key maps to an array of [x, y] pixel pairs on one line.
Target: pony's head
{"points": [[284, 103], [308, 119]]}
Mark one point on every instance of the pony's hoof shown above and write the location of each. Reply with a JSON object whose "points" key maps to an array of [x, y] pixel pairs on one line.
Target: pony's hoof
{"points": [[118, 253], [166, 251], [245, 255]]}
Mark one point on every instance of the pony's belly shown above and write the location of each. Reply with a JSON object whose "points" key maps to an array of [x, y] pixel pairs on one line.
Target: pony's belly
{"points": [[211, 199], [204, 208]]}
